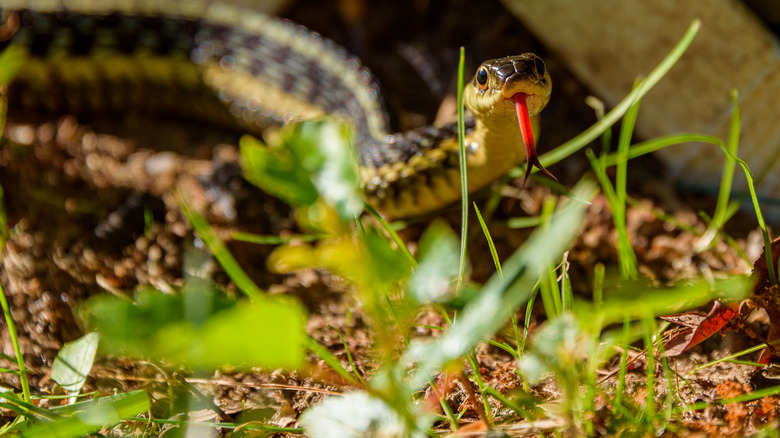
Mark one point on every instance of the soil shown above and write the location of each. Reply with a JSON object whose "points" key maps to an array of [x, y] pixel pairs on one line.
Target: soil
{"points": [[67, 180]]}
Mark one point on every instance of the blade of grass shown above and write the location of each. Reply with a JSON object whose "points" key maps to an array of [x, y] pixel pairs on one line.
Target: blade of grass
{"points": [[567, 294], [726, 178], [216, 246], [524, 222], [28, 409], [489, 239], [472, 361], [729, 358], [17, 348], [623, 368], [606, 137], [254, 426], [332, 361], [393, 235], [503, 346], [509, 403], [626, 256], [464, 187], [624, 142], [598, 283], [755, 395], [349, 356], [548, 287], [274, 240]]}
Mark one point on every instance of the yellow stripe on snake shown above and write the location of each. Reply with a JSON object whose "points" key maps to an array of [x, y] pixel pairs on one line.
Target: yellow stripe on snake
{"points": [[229, 65]]}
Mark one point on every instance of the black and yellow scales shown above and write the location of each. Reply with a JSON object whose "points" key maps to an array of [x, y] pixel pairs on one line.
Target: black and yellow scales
{"points": [[231, 65]]}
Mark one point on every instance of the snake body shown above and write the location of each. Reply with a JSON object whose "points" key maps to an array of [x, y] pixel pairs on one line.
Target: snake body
{"points": [[229, 65]]}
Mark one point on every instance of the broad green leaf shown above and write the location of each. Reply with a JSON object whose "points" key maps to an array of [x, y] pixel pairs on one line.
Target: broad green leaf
{"points": [[268, 332], [370, 263], [387, 264], [277, 172], [323, 148], [312, 160], [74, 361]]}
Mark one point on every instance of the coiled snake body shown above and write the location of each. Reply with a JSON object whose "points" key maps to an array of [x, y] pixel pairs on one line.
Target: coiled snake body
{"points": [[201, 59]]}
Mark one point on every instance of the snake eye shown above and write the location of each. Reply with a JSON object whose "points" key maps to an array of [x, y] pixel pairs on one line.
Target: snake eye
{"points": [[482, 78]]}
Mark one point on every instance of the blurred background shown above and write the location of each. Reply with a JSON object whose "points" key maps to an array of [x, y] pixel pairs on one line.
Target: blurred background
{"points": [[591, 47]]}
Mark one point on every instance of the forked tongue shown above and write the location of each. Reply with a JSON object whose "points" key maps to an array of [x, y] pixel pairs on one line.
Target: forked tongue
{"points": [[528, 137]]}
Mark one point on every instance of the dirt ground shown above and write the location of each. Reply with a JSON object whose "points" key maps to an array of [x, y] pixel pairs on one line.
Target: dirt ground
{"points": [[67, 174]]}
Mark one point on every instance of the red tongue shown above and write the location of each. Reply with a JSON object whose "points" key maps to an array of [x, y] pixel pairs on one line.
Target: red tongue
{"points": [[528, 137]]}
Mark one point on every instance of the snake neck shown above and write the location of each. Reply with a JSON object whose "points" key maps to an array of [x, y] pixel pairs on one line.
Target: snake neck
{"points": [[418, 172], [494, 147]]}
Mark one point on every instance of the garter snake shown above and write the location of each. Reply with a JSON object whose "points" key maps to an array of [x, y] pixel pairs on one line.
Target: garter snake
{"points": [[181, 56]]}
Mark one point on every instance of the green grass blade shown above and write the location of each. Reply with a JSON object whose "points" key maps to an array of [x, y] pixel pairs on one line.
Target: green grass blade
{"points": [[626, 256], [489, 239], [606, 137], [729, 358], [624, 142], [648, 324], [15, 343], [509, 403], [332, 361], [91, 416], [726, 179], [464, 186], [349, 356], [755, 395], [27, 409], [217, 247], [258, 239], [393, 235]]}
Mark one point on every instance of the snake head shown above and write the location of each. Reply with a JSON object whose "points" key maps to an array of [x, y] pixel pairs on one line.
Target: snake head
{"points": [[497, 81], [506, 93]]}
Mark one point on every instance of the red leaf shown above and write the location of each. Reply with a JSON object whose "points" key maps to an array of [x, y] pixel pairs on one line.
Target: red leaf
{"points": [[699, 327]]}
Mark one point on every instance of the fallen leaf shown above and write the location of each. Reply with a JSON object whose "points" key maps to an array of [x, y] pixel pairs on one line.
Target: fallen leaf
{"points": [[698, 327]]}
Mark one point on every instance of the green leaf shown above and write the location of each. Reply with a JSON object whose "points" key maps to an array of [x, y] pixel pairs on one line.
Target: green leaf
{"points": [[438, 264], [277, 172], [384, 264], [267, 332], [87, 417], [313, 160], [324, 150], [74, 361], [353, 415]]}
